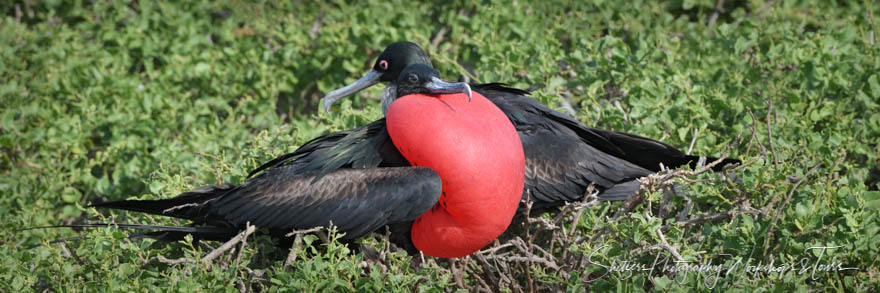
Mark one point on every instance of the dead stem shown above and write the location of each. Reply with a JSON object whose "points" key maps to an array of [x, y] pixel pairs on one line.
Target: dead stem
{"points": [[229, 244]]}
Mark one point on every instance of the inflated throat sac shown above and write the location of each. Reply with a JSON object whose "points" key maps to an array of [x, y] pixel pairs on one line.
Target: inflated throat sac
{"points": [[477, 152]]}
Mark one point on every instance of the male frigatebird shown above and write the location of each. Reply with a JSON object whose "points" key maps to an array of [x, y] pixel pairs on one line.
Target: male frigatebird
{"points": [[447, 178], [563, 156]]}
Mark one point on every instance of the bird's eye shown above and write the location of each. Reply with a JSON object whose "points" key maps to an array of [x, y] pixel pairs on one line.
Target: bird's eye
{"points": [[383, 65], [413, 78]]}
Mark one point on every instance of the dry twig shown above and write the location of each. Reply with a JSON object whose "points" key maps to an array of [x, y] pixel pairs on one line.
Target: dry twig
{"points": [[669, 248], [770, 133], [485, 286], [870, 24], [170, 262], [693, 140], [757, 13], [712, 217], [435, 42], [303, 232], [229, 244], [487, 269], [719, 8], [509, 265]]}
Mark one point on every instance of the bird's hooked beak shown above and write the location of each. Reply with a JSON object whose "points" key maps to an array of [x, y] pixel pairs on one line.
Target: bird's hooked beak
{"points": [[369, 79], [439, 86]]}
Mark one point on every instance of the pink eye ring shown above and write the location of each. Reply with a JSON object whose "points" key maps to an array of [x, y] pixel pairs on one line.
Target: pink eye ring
{"points": [[383, 65]]}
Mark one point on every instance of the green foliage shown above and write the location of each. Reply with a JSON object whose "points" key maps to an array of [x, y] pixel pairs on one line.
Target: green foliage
{"points": [[105, 100]]}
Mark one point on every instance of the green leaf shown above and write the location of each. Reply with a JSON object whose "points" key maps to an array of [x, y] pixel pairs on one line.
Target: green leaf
{"points": [[555, 82], [70, 195], [874, 85], [119, 235], [156, 187], [872, 199], [201, 68]]}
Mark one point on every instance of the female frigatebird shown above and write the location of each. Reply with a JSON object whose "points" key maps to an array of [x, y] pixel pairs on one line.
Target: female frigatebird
{"points": [[452, 170], [563, 156]]}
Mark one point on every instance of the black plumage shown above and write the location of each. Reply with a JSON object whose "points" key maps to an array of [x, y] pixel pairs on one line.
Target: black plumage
{"points": [[355, 200], [357, 178], [368, 146], [563, 156]]}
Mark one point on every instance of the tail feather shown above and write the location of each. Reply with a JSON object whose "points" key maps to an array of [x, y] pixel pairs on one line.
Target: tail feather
{"points": [[187, 206], [159, 232], [184, 206], [649, 153], [206, 229]]}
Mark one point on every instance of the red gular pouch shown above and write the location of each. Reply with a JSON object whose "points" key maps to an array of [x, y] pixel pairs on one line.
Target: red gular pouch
{"points": [[477, 152]]}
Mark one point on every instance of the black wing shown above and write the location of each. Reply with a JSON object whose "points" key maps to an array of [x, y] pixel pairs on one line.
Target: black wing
{"points": [[562, 156], [357, 201], [282, 199], [644, 152], [186, 205], [498, 87], [368, 146], [649, 153]]}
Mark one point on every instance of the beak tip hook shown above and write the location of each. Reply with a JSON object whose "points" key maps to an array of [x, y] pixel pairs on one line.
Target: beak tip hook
{"points": [[326, 106]]}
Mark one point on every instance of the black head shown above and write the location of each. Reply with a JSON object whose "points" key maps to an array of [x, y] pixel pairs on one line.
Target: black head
{"points": [[387, 68], [423, 79], [398, 56]]}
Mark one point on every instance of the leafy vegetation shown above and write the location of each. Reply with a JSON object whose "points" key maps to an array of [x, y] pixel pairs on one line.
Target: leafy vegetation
{"points": [[106, 101]]}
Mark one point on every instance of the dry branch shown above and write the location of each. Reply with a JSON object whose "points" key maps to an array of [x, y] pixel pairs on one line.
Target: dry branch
{"points": [[757, 13], [770, 133], [669, 248], [229, 244], [509, 265], [719, 8], [170, 262], [870, 24]]}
